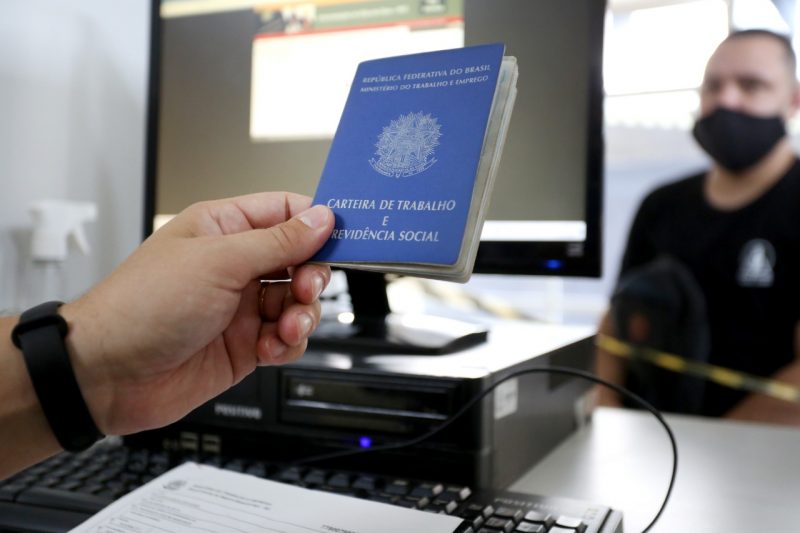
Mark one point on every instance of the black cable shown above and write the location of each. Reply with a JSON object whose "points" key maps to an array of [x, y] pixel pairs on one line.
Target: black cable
{"points": [[478, 397]]}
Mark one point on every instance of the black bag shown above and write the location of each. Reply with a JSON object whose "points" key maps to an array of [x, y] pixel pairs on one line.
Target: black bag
{"points": [[659, 305]]}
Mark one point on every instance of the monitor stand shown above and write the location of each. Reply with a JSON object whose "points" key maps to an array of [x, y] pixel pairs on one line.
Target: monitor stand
{"points": [[376, 330]]}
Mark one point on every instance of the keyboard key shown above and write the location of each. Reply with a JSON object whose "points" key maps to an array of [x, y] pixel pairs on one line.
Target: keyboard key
{"points": [[68, 485], [337, 490], [557, 529], [236, 465], [476, 513], [439, 506], [61, 472], [81, 475], [316, 477], [127, 477], [291, 474], [115, 484], [111, 494], [368, 483], [455, 494], [538, 518], [213, 460], [9, 492], [55, 461], [37, 470], [399, 487], [382, 498], [63, 499], [22, 478], [428, 490], [529, 527], [570, 522], [49, 481], [509, 513], [90, 489], [472, 510], [108, 473], [139, 466], [257, 469], [139, 455], [500, 524], [478, 521], [408, 504], [159, 458], [340, 480], [419, 502], [94, 467]]}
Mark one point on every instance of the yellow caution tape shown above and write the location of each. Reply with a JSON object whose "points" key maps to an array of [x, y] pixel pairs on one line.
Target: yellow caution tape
{"points": [[720, 375]]}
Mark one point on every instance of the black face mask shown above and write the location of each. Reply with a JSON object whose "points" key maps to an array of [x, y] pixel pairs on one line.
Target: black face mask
{"points": [[737, 140]]}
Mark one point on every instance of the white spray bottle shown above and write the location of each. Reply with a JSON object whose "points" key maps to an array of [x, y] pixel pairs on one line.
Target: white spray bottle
{"points": [[55, 223]]}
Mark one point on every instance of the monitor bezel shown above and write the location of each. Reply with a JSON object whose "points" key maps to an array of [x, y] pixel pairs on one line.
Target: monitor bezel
{"points": [[553, 258]]}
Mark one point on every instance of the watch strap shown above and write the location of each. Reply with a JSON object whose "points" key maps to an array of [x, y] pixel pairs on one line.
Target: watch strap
{"points": [[40, 335]]}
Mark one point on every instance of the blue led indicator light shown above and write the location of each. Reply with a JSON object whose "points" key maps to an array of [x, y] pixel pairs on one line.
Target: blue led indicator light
{"points": [[365, 442], [553, 264]]}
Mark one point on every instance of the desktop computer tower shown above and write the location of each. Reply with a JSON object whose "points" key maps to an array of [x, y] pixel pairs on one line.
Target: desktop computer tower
{"points": [[329, 402]]}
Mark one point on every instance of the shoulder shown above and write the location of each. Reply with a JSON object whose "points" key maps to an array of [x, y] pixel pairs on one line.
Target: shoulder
{"points": [[681, 192], [792, 177], [785, 191]]}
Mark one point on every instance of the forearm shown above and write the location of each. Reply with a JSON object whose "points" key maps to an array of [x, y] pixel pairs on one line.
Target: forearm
{"points": [[761, 408], [608, 367], [25, 436]]}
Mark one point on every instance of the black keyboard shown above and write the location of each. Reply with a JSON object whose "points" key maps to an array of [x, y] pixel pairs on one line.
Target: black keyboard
{"points": [[65, 490]]}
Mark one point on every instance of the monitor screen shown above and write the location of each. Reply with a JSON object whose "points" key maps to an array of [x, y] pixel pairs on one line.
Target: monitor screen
{"points": [[245, 96]]}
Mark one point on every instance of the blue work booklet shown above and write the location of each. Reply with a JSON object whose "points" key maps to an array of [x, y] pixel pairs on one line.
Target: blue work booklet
{"points": [[411, 167]]}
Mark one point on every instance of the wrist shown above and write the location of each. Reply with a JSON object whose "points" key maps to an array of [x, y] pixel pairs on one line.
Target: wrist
{"points": [[20, 412], [41, 334], [86, 356]]}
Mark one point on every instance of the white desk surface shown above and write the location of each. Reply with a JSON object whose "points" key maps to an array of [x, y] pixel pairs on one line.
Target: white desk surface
{"points": [[732, 476]]}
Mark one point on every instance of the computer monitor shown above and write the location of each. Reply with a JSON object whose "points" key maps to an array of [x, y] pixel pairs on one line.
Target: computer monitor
{"points": [[245, 96]]}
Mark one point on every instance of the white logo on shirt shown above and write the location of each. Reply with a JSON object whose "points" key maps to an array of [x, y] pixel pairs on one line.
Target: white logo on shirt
{"points": [[756, 263]]}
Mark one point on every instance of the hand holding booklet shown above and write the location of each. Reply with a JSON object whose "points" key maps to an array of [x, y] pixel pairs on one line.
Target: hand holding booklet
{"points": [[410, 172]]}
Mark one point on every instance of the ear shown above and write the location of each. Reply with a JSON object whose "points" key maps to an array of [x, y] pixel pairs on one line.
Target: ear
{"points": [[794, 105]]}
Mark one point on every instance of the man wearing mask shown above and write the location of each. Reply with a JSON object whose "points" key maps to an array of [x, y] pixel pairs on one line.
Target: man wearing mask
{"points": [[734, 228]]}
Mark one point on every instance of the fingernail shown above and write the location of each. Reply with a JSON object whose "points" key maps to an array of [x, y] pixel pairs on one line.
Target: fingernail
{"points": [[305, 323], [317, 285], [276, 348], [314, 217]]}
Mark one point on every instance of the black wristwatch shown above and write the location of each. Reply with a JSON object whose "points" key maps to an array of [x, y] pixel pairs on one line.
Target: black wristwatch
{"points": [[40, 335]]}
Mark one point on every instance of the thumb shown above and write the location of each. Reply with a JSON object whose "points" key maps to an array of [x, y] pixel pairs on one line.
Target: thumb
{"points": [[289, 243]]}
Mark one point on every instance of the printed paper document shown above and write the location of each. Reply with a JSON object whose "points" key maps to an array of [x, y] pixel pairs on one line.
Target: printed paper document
{"points": [[194, 497]]}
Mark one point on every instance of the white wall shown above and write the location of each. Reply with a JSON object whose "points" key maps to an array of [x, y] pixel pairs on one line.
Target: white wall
{"points": [[72, 119]]}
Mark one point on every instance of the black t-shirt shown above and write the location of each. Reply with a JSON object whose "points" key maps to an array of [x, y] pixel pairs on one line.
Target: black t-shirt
{"points": [[747, 263]]}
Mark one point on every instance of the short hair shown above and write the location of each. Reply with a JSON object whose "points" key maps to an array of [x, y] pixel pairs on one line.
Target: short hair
{"points": [[781, 39]]}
